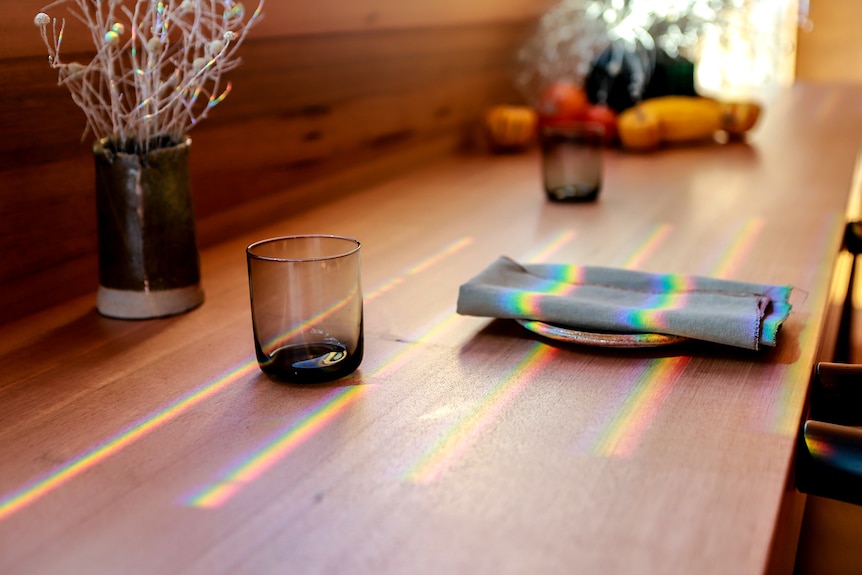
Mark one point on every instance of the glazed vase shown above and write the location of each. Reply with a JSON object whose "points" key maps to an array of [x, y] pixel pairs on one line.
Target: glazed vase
{"points": [[148, 256]]}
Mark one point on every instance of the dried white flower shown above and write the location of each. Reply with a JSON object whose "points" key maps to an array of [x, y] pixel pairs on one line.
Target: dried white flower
{"points": [[156, 72], [154, 45], [237, 11]]}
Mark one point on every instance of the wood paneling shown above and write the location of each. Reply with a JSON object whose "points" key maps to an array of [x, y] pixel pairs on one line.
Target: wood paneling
{"points": [[832, 48], [19, 38], [319, 114]]}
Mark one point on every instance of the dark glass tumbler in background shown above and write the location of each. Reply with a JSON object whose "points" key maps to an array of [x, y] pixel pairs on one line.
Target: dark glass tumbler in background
{"points": [[572, 161], [306, 307]]}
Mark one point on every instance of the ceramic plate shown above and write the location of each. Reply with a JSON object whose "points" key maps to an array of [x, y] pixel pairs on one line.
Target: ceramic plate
{"points": [[569, 335]]}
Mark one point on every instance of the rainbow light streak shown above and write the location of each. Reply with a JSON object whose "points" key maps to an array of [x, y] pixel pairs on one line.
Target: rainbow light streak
{"points": [[819, 449], [671, 293], [449, 447], [285, 441], [206, 66], [434, 258], [215, 102], [450, 320], [739, 249], [565, 276], [781, 418], [529, 303], [253, 466], [465, 432], [838, 454], [455, 443], [160, 23], [545, 252], [623, 434], [17, 500], [648, 247], [28, 494], [282, 338], [236, 10], [396, 359]]}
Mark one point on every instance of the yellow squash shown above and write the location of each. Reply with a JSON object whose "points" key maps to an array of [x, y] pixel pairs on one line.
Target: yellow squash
{"points": [[682, 119], [510, 127]]}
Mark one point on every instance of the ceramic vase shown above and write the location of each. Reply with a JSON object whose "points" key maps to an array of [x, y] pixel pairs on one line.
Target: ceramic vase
{"points": [[148, 256]]}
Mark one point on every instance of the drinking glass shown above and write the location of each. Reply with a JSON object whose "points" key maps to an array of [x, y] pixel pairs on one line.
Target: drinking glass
{"points": [[306, 307], [572, 161]]}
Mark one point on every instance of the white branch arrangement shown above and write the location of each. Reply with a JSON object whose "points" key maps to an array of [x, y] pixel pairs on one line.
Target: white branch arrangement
{"points": [[158, 66]]}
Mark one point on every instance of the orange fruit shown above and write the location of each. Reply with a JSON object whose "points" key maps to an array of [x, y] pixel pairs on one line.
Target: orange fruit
{"points": [[563, 101], [604, 115]]}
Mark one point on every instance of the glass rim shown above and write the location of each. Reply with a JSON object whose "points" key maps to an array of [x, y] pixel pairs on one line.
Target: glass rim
{"points": [[250, 253]]}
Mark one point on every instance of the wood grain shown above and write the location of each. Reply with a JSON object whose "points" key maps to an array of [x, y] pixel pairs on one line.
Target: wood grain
{"points": [[462, 445], [19, 37]]}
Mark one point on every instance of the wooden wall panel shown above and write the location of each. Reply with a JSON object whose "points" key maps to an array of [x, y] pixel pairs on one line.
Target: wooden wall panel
{"points": [[309, 116], [19, 38], [832, 49]]}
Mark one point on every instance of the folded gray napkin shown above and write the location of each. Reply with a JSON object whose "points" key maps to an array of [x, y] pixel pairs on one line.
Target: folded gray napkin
{"points": [[594, 298]]}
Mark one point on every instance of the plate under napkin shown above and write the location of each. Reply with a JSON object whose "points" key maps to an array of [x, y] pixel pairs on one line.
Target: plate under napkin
{"points": [[740, 314]]}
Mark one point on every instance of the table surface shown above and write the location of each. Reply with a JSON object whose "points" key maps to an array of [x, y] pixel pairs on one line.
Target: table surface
{"points": [[462, 444]]}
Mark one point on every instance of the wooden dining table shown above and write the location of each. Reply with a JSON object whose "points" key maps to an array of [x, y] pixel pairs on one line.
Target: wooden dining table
{"points": [[461, 444]]}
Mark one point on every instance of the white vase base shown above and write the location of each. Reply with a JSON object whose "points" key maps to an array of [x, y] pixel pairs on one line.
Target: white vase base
{"points": [[130, 304]]}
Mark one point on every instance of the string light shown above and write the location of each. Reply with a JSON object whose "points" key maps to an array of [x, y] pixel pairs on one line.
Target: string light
{"points": [[714, 33]]}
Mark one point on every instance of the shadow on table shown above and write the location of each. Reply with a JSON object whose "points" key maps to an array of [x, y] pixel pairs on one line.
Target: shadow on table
{"points": [[786, 352]]}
